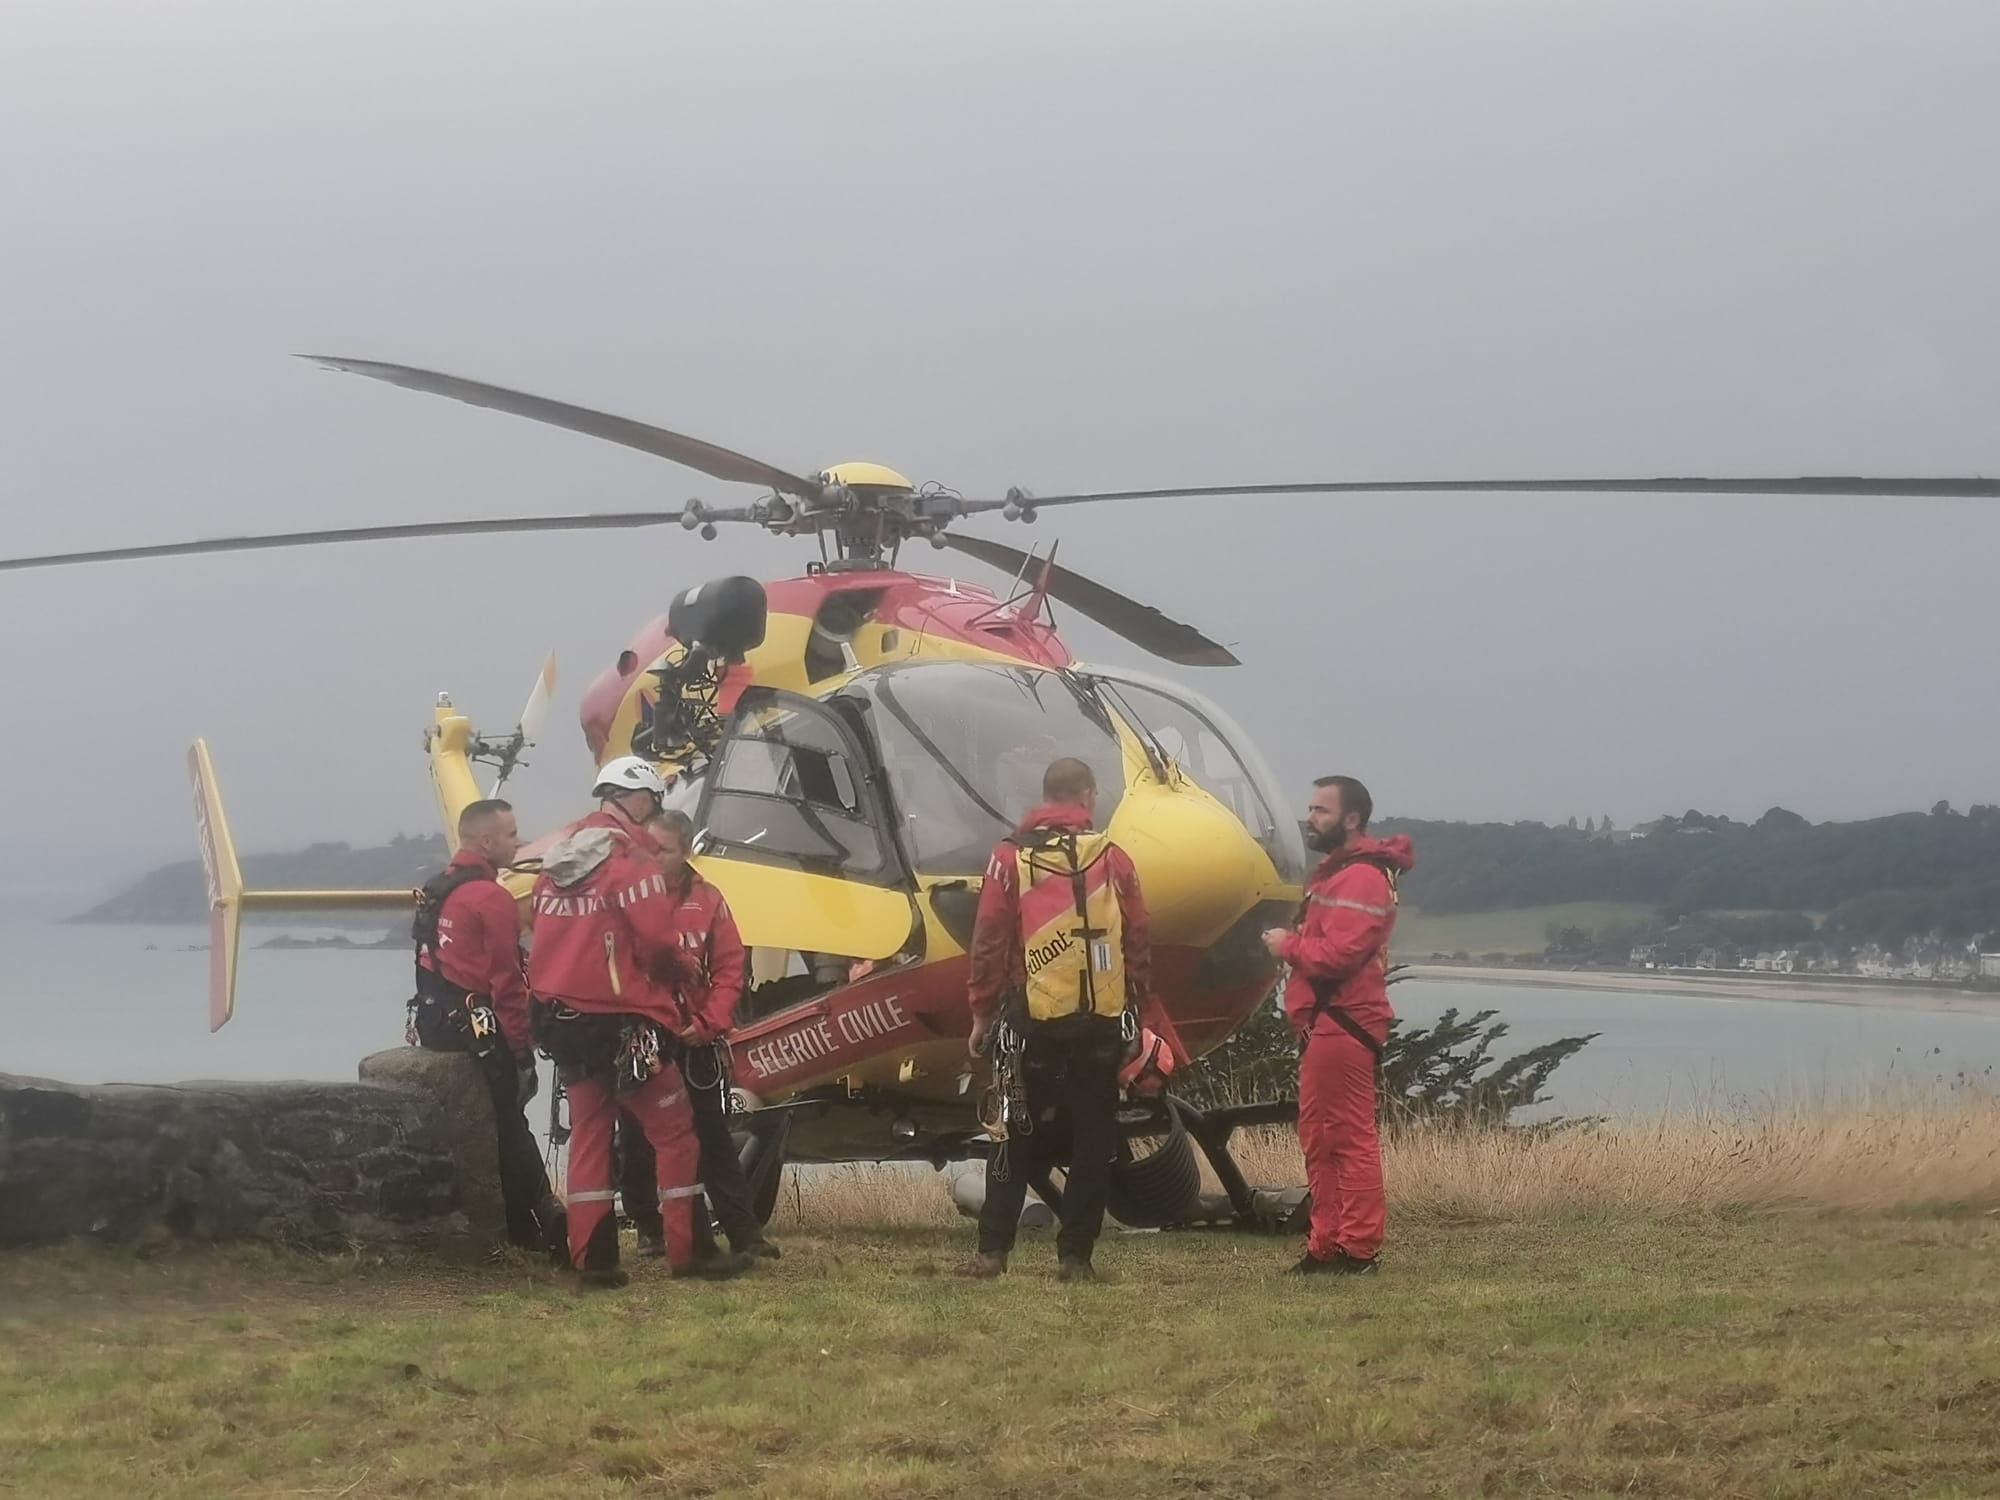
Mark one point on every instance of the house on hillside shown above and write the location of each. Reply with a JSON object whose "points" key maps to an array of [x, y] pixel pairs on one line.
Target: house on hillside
{"points": [[1872, 963], [1954, 967], [1648, 955], [1989, 966]]}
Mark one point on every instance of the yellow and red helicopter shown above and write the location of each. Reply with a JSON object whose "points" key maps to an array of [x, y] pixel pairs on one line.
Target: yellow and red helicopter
{"points": [[853, 742]]}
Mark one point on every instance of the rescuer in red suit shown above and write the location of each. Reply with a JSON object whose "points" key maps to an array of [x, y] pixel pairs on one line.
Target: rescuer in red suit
{"points": [[604, 928], [1337, 1001], [1069, 1064], [471, 996], [709, 991]]}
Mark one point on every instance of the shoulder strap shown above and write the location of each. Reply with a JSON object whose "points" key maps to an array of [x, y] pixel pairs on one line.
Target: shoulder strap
{"points": [[430, 904], [1344, 1021], [1079, 848]]}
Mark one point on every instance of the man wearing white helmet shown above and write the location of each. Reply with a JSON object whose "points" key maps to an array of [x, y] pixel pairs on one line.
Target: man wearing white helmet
{"points": [[606, 946]]}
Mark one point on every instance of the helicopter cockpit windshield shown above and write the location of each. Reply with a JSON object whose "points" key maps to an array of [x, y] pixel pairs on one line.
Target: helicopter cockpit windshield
{"points": [[966, 743], [1208, 747]]}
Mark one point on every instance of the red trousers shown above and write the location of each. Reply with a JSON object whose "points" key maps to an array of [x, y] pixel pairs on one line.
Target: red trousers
{"points": [[661, 1111], [1342, 1150]]}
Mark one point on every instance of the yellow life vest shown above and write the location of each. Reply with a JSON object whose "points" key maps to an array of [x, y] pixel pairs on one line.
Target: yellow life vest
{"points": [[1072, 932]]}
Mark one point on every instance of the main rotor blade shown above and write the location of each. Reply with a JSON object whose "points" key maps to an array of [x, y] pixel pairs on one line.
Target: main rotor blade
{"points": [[1138, 623], [608, 522], [1927, 489], [716, 462]]}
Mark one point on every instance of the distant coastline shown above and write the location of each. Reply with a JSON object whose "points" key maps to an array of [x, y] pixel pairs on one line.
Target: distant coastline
{"points": [[1819, 989], [338, 941]]}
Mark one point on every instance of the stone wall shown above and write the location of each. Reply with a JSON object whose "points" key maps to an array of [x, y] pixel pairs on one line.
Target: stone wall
{"points": [[406, 1157]]}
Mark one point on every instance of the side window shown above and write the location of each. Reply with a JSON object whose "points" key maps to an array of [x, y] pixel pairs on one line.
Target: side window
{"points": [[785, 790]]}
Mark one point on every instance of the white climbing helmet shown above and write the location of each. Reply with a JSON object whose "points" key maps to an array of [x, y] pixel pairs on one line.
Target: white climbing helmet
{"points": [[628, 773]]}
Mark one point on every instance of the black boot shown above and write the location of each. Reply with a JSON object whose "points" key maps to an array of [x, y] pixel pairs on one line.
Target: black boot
{"points": [[1342, 1264], [718, 1265]]}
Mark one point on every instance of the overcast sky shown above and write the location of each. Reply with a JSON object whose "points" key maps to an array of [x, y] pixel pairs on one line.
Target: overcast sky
{"points": [[1055, 245]]}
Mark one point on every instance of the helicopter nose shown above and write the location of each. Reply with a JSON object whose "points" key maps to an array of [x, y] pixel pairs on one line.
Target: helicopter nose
{"points": [[1198, 866]]}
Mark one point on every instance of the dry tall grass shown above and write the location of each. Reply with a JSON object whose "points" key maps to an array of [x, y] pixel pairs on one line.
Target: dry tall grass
{"points": [[863, 1196], [1872, 1155]]}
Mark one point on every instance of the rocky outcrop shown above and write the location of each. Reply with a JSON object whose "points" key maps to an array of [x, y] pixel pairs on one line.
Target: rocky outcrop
{"points": [[405, 1157], [178, 893]]}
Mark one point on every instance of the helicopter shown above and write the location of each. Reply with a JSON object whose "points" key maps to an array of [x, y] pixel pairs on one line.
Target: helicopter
{"points": [[851, 744]]}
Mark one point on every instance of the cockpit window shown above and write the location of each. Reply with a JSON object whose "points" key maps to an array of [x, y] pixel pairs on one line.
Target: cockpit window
{"points": [[965, 745], [1202, 741]]}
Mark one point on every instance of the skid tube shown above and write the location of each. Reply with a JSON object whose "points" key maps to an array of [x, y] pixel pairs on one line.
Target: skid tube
{"points": [[1240, 1206], [1270, 1210]]}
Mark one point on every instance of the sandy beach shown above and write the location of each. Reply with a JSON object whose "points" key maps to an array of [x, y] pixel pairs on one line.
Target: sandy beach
{"points": [[1876, 994]]}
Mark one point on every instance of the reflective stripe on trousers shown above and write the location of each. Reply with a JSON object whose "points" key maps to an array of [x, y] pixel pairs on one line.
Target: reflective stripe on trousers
{"points": [[661, 1111]]}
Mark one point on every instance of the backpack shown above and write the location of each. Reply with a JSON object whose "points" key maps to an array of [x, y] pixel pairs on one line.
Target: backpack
{"points": [[1072, 931], [431, 898], [438, 1014]]}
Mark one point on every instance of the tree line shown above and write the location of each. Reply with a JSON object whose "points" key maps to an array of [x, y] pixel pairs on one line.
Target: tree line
{"points": [[1882, 880]]}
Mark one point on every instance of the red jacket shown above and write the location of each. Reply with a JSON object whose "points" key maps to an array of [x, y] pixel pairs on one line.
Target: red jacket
{"points": [[710, 974], [479, 948], [1344, 938], [604, 923], [998, 964]]}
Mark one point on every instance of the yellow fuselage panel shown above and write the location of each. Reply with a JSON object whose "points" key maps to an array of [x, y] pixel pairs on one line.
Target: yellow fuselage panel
{"points": [[777, 907], [1198, 867]]}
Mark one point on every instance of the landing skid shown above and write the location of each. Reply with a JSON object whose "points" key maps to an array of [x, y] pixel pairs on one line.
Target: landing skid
{"points": [[1239, 1205], [1157, 1190]]}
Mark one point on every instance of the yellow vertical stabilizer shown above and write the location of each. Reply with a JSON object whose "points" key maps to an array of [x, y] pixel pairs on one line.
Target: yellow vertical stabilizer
{"points": [[228, 900]]}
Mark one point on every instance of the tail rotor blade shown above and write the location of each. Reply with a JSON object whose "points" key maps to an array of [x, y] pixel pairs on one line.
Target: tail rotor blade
{"points": [[537, 708], [533, 712]]}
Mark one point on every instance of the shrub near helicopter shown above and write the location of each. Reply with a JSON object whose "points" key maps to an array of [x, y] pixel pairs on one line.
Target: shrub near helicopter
{"points": [[853, 742]]}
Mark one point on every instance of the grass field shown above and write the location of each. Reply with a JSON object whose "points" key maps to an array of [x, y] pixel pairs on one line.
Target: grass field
{"points": [[1522, 930], [1788, 1308]]}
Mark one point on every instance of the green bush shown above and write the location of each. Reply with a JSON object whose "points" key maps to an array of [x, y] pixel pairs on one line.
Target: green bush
{"points": [[1444, 1074]]}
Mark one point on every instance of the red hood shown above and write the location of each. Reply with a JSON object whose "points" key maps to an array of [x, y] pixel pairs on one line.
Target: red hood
{"points": [[1065, 815], [1395, 852]]}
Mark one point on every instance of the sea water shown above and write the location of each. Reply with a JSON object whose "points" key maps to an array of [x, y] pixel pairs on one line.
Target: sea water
{"points": [[97, 1004]]}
